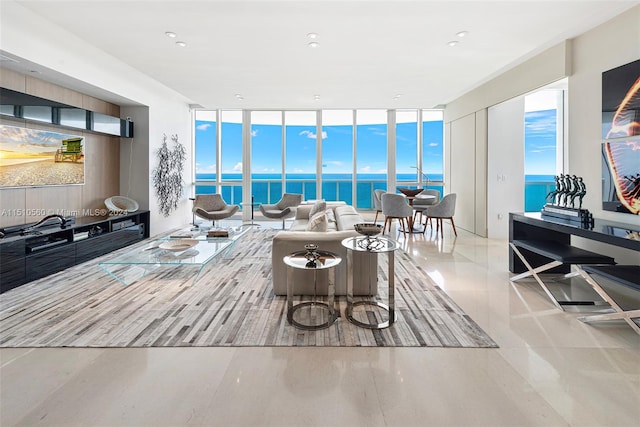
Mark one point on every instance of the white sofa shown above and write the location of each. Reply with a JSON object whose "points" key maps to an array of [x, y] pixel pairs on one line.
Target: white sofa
{"points": [[365, 266]]}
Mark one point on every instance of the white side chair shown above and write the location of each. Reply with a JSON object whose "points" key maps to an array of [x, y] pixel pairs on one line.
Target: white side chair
{"points": [[377, 203], [443, 210], [395, 206], [421, 205]]}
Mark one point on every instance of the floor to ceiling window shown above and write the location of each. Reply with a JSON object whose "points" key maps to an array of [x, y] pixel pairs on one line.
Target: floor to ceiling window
{"points": [[206, 143], [337, 155], [283, 153], [231, 156], [406, 147], [371, 155], [266, 156], [543, 145], [300, 159], [431, 166]]}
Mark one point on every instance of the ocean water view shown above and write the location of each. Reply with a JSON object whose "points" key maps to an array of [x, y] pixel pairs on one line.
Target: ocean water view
{"points": [[267, 188]]}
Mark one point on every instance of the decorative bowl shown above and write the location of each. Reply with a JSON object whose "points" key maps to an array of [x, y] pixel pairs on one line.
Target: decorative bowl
{"points": [[368, 229], [410, 192], [178, 245]]}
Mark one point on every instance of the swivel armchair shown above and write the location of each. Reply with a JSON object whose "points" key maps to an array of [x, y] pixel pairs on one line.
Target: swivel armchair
{"points": [[213, 207], [284, 208]]}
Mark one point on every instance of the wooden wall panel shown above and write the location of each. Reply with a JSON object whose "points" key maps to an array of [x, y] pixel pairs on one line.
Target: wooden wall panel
{"points": [[12, 80], [53, 92], [102, 160], [102, 170], [94, 104], [60, 199], [12, 206]]}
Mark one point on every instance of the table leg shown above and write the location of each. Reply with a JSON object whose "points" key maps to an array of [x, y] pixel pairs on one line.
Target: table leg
{"points": [[349, 278], [351, 304], [392, 287], [329, 306], [290, 294]]}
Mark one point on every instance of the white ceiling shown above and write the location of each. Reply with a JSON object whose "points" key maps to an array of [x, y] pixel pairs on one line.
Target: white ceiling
{"points": [[369, 52]]}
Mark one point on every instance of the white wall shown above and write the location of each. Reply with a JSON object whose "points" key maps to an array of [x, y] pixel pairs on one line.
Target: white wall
{"points": [[583, 60], [461, 172], [547, 67], [467, 130], [29, 36], [610, 45], [505, 167]]}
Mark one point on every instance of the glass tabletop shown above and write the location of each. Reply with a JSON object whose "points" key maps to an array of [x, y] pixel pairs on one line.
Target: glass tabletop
{"points": [[203, 251], [373, 244]]}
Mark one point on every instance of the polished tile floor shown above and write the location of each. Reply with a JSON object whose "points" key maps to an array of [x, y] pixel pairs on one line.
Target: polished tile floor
{"points": [[550, 369]]}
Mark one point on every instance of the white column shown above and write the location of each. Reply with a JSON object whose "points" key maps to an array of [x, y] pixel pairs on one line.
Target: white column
{"points": [[319, 155], [391, 151], [246, 165]]}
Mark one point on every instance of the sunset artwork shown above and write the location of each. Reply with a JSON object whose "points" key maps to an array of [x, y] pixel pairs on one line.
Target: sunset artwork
{"points": [[621, 132], [33, 158]]}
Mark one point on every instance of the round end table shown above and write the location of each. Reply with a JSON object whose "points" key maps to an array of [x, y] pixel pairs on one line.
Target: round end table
{"points": [[324, 260]]}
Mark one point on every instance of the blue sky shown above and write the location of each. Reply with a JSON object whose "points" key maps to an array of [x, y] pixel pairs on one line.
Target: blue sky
{"points": [[540, 142], [337, 148], [540, 147]]}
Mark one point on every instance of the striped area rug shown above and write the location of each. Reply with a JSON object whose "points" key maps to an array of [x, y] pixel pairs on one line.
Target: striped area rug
{"points": [[231, 304]]}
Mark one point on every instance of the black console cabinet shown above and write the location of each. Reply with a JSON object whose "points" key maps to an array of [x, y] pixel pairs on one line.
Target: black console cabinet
{"points": [[531, 226], [50, 249]]}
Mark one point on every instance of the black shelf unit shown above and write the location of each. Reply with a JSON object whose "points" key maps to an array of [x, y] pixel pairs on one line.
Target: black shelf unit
{"points": [[24, 258]]}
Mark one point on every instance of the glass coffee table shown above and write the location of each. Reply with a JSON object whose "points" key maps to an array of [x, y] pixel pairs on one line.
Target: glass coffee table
{"points": [[132, 265]]}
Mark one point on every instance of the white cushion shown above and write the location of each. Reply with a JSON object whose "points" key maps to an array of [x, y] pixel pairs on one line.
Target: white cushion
{"points": [[331, 217], [318, 222], [319, 206]]}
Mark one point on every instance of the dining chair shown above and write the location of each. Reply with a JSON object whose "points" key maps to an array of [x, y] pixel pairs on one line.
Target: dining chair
{"points": [[421, 205], [443, 210], [395, 206], [377, 203]]}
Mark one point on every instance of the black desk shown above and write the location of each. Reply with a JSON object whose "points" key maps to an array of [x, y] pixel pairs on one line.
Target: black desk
{"points": [[531, 226]]}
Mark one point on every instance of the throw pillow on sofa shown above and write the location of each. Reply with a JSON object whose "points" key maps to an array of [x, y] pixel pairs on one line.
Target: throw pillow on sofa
{"points": [[319, 206], [317, 222], [331, 217]]}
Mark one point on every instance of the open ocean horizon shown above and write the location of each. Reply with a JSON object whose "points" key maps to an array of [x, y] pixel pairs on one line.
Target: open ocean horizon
{"points": [[267, 187]]}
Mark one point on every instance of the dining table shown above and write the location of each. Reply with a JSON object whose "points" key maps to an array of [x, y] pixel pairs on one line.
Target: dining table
{"points": [[410, 200]]}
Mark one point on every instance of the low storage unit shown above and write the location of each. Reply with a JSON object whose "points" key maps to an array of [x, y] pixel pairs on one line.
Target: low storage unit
{"points": [[25, 257]]}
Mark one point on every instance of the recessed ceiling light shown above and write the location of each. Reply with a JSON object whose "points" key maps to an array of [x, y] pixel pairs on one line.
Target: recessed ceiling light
{"points": [[314, 44], [452, 43], [237, 95], [397, 96], [240, 98], [312, 35], [316, 97], [171, 34], [462, 33], [181, 44]]}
